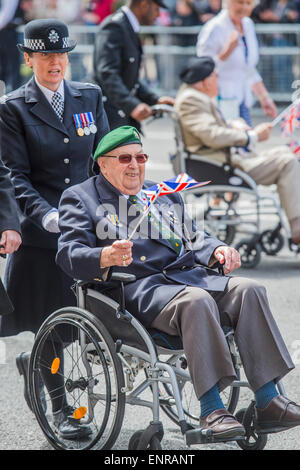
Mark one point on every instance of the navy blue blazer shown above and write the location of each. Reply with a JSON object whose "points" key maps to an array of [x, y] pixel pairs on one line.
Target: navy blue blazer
{"points": [[8, 207], [117, 61], [44, 154], [8, 221], [90, 210]]}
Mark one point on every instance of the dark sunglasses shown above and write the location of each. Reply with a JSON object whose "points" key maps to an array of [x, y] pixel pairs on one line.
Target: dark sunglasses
{"points": [[126, 158]]}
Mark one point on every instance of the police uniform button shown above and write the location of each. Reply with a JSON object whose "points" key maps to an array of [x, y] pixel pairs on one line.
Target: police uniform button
{"points": [[131, 59], [66, 140], [67, 180], [143, 258], [66, 161]]}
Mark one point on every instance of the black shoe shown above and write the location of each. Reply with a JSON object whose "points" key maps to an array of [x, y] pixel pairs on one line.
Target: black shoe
{"points": [[68, 427], [22, 361]]}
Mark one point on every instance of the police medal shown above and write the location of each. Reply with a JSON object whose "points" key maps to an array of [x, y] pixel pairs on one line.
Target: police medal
{"points": [[86, 128], [92, 126], [78, 127]]}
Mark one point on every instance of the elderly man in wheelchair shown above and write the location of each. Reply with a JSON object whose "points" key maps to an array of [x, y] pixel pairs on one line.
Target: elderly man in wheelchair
{"points": [[207, 133], [162, 282]]}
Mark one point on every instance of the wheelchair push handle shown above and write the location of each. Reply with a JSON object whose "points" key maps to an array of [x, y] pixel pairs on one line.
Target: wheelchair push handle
{"points": [[158, 110]]}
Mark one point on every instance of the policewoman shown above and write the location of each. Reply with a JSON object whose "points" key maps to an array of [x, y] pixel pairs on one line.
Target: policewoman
{"points": [[49, 129]]}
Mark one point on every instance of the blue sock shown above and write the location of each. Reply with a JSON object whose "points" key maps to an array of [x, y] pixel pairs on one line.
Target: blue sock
{"points": [[265, 394], [210, 401]]}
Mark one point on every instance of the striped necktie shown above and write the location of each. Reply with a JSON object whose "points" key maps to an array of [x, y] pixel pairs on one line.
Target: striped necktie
{"points": [[164, 229], [58, 105]]}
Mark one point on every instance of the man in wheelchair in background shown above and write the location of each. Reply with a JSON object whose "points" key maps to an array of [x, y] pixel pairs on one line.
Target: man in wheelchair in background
{"points": [[176, 289], [206, 132]]}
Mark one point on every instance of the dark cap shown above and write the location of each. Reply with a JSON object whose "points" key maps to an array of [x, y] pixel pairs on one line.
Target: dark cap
{"points": [[46, 35], [197, 69], [160, 3]]}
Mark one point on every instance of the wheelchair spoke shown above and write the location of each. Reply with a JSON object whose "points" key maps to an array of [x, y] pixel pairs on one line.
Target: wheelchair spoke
{"points": [[87, 385]]}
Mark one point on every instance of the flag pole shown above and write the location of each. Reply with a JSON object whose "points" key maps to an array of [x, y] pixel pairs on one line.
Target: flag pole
{"points": [[280, 116], [144, 215]]}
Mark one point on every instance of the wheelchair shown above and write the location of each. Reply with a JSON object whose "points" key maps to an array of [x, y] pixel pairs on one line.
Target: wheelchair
{"points": [[109, 360], [233, 207]]}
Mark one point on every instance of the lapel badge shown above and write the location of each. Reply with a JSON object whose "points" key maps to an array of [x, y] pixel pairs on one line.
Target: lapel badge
{"points": [[172, 217], [114, 219]]}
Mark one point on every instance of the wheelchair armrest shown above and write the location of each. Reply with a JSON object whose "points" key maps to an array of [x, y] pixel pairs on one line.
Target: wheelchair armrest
{"points": [[122, 277]]}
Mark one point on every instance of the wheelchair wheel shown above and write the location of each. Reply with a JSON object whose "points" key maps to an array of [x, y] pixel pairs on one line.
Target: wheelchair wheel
{"points": [[74, 355], [252, 440], [216, 225], [190, 402], [271, 242], [250, 253], [154, 443]]}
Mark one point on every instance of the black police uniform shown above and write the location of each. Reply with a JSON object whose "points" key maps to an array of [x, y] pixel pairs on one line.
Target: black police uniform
{"points": [[8, 221], [117, 60], [45, 156]]}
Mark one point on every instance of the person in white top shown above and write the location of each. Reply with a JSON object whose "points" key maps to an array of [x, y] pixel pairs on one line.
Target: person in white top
{"points": [[230, 39]]}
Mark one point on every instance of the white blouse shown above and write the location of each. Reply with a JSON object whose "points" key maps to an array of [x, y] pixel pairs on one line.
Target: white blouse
{"points": [[236, 74]]}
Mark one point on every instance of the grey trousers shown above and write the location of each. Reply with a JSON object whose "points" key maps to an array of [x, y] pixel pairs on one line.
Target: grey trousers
{"points": [[197, 316]]}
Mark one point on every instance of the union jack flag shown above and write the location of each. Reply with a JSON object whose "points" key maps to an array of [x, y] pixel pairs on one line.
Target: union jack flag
{"points": [[179, 183], [291, 120], [295, 147]]}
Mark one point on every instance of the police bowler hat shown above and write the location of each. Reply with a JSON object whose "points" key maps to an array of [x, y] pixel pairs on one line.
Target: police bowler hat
{"points": [[46, 35]]}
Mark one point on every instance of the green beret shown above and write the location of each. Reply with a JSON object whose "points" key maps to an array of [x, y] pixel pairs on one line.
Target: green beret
{"points": [[123, 135]]}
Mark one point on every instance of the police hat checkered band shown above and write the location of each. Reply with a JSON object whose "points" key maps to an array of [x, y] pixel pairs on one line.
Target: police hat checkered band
{"points": [[35, 44], [46, 35], [66, 42]]}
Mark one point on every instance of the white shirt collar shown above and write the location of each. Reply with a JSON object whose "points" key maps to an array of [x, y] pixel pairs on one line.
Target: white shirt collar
{"points": [[141, 196], [132, 18], [49, 93]]}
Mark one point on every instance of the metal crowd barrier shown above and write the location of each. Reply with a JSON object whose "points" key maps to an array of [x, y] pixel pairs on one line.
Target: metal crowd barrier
{"points": [[167, 47]]}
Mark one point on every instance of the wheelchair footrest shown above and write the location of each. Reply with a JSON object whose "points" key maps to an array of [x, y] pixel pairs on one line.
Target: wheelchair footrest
{"points": [[271, 430], [206, 436]]}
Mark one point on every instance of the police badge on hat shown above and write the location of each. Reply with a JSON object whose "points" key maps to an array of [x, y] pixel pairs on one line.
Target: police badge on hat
{"points": [[47, 36]]}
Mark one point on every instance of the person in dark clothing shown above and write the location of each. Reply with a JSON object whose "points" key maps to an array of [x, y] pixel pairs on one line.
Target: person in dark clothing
{"points": [[49, 129], [117, 63]]}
